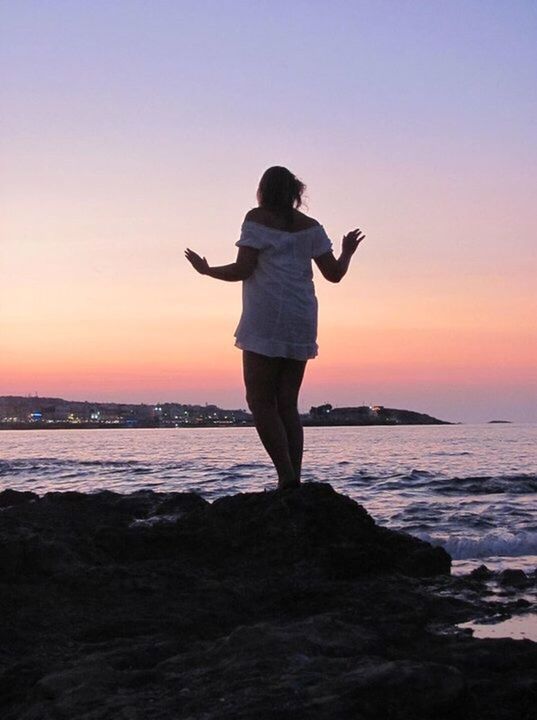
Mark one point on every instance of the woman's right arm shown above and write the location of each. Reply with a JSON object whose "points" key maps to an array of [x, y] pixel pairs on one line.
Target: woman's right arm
{"points": [[241, 269], [334, 269]]}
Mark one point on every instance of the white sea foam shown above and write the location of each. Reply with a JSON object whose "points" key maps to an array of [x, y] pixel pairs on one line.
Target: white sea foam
{"points": [[491, 544]]}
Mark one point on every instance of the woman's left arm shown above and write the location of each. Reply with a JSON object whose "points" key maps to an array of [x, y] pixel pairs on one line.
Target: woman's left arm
{"points": [[241, 269]]}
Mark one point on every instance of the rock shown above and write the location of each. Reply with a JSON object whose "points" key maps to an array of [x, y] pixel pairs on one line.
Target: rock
{"points": [[481, 573], [311, 524], [9, 497], [403, 687], [314, 525], [514, 578], [258, 605]]}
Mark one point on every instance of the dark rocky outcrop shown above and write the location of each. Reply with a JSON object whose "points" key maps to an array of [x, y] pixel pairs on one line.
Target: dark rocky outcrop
{"points": [[261, 605]]}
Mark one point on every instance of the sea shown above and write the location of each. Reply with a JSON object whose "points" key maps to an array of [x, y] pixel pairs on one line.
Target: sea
{"points": [[470, 488]]}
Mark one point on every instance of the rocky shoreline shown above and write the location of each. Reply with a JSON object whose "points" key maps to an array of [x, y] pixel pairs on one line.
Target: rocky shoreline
{"points": [[257, 606]]}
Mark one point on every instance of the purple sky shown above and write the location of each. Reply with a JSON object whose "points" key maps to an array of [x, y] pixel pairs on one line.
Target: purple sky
{"points": [[131, 129]]}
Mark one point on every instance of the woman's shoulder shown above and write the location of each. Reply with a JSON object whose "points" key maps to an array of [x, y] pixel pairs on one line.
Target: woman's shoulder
{"points": [[254, 215], [261, 216]]}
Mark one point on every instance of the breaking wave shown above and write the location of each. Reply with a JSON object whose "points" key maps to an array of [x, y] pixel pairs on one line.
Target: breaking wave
{"points": [[492, 544]]}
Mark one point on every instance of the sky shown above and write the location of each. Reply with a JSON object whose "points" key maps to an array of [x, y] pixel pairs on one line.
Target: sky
{"points": [[131, 130]]}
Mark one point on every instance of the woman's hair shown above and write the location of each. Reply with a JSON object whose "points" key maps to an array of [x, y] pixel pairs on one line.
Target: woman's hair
{"points": [[280, 191]]}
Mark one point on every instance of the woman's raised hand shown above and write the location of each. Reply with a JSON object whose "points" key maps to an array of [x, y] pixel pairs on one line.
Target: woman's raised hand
{"points": [[351, 241], [198, 263]]}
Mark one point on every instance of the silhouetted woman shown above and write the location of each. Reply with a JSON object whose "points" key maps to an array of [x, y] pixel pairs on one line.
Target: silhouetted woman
{"points": [[277, 331]]}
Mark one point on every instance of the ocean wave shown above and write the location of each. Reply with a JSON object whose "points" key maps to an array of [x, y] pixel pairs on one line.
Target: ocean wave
{"points": [[54, 464], [487, 485], [492, 544], [417, 480], [37, 463], [450, 453], [249, 466]]}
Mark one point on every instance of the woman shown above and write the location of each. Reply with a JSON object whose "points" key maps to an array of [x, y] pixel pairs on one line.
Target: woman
{"points": [[277, 331]]}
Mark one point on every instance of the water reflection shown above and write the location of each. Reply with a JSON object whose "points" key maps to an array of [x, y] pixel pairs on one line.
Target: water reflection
{"points": [[520, 627]]}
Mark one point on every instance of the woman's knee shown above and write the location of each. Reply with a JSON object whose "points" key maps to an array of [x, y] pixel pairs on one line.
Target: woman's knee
{"points": [[260, 402], [287, 404]]}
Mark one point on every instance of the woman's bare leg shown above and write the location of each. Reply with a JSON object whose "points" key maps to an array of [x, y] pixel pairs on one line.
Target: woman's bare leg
{"points": [[261, 381], [289, 382]]}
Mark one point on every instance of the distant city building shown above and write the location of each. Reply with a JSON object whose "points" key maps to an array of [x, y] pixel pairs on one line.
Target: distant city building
{"points": [[35, 412], [49, 412]]}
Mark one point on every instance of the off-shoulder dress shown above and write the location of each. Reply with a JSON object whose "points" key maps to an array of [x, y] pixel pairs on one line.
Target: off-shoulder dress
{"points": [[279, 306]]}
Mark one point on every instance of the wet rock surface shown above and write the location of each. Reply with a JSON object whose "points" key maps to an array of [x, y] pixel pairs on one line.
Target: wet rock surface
{"points": [[260, 605]]}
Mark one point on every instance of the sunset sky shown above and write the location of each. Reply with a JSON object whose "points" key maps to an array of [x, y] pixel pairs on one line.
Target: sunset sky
{"points": [[132, 129]]}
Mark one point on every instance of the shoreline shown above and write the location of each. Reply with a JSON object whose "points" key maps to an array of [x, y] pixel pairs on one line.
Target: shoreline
{"points": [[96, 426]]}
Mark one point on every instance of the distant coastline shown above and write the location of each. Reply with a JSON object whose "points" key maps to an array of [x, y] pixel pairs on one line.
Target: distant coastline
{"points": [[46, 413]]}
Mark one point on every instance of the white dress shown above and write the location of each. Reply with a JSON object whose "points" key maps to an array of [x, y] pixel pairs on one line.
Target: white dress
{"points": [[279, 307]]}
